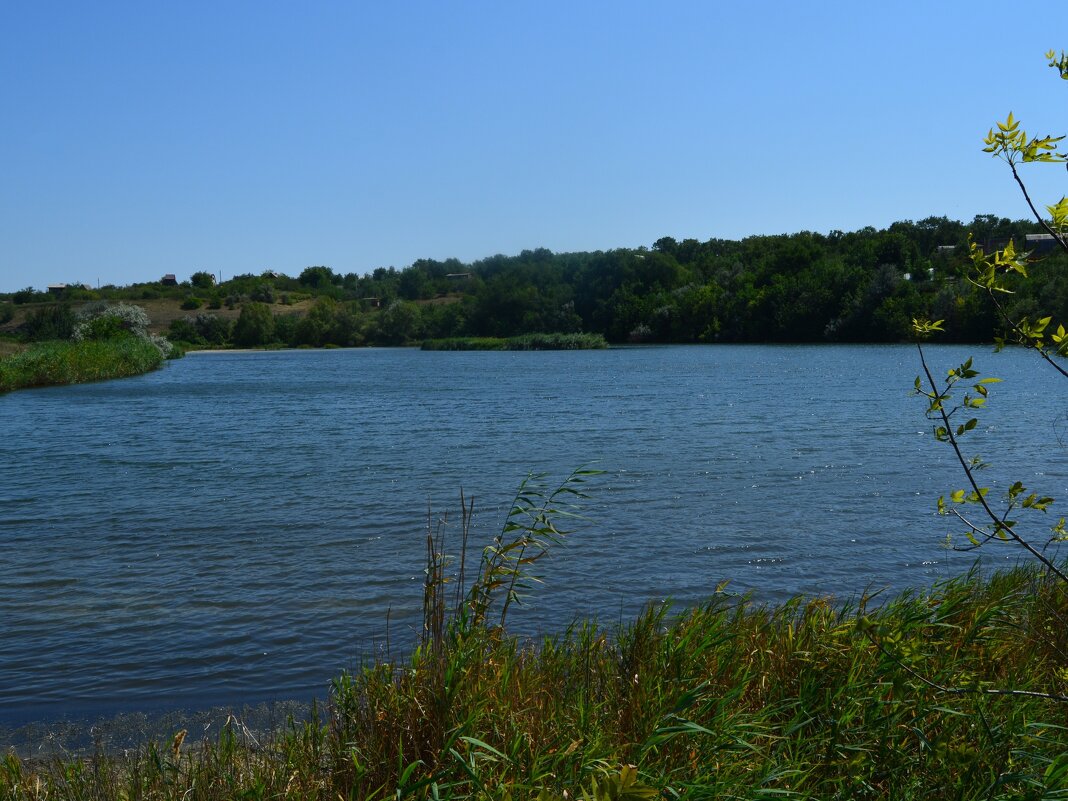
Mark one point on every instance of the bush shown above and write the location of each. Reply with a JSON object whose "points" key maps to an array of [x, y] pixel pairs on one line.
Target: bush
{"points": [[262, 293], [107, 326], [100, 321], [48, 322], [191, 303], [214, 329], [133, 319], [184, 330], [28, 295]]}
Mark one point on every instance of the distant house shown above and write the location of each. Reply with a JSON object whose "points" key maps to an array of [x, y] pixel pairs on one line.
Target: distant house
{"points": [[374, 303], [169, 280], [458, 276], [59, 289], [1040, 243], [946, 250]]}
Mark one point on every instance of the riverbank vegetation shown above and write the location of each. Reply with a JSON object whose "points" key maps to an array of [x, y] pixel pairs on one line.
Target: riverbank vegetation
{"points": [[524, 342], [859, 286], [731, 699], [98, 342], [58, 362]]}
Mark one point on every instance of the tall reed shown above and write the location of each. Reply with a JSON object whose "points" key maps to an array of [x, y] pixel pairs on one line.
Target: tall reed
{"points": [[66, 362]]}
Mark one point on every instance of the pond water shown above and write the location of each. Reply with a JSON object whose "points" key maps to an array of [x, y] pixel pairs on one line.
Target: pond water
{"points": [[240, 527]]}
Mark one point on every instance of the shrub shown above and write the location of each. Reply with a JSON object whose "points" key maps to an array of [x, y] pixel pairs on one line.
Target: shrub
{"points": [[191, 303], [133, 319], [184, 330], [28, 295], [48, 322], [106, 326], [262, 293], [214, 329], [100, 321]]}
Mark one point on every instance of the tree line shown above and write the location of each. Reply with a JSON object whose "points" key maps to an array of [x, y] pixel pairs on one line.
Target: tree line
{"points": [[860, 286]]}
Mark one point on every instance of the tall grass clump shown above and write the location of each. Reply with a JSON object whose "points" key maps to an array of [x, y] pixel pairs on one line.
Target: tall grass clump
{"points": [[957, 692], [73, 362]]}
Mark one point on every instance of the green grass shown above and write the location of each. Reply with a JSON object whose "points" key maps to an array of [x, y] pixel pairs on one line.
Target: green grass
{"points": [[524, 342], [730, 699], [51, 363]]}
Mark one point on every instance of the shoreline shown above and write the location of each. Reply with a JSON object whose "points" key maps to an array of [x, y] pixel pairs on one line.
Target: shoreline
{"points": [[123, 731]]}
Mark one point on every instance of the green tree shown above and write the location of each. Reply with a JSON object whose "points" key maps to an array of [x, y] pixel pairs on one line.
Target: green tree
{"points": [[415, 284], [317, 327], [254, 326], [399, 324], [202, 280], [319, 277]]}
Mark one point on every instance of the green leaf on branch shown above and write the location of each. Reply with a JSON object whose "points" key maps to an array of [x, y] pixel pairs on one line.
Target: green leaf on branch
{"points": [[924, 328]]}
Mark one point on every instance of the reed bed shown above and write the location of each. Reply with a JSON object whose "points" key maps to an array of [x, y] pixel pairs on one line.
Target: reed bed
{"points": [[68, 362], [524, 342], [924, 695]]}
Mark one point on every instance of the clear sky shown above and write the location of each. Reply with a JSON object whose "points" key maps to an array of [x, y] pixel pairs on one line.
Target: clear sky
{"points": [[138, 138]]}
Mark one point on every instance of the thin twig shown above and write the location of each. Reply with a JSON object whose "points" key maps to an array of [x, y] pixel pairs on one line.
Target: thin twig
{"points": [[998, 522], [1056, 237], [1026, 340]]}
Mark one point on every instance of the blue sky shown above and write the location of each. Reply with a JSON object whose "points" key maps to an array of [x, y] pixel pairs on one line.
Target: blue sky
{"points": [[144, 138]]}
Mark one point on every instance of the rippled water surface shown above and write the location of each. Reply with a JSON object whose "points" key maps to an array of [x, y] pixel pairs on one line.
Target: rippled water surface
{"points": [[237, 526]]}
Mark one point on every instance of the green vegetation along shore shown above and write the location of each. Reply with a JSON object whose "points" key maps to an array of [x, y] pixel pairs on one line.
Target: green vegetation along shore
{"points": [[525, 342], [909, 699], [858, 286], [65, 362]]}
